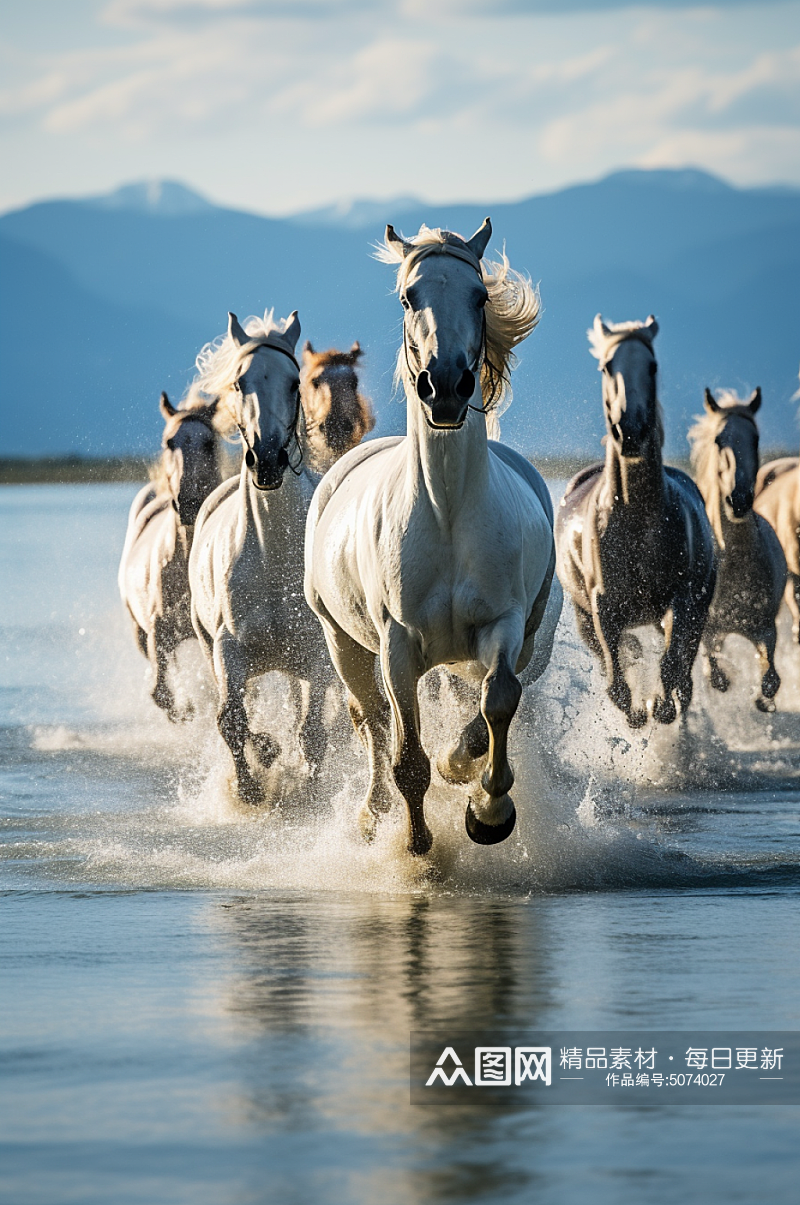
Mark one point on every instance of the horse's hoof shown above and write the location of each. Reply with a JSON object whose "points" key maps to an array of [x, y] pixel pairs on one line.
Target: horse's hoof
{"points": [[665, 711], [488, 834], [250, 793], [765, 705], [420, 843], [637, 719]]}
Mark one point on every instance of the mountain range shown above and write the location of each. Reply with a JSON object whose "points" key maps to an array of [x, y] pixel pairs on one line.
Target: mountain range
{"points": [[106, 301]]}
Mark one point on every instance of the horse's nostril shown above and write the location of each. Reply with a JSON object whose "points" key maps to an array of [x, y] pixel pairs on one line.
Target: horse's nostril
{"points": [[250, 458], [283, 458], [465, 386], [425, 389]]}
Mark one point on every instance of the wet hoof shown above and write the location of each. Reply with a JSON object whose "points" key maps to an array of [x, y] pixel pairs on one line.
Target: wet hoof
{"points": [[719, 679], [765, 705], [182, 715], [489, 834], [420, 843], [770, 684], [637, 719], [664, 710], [250, 792]]}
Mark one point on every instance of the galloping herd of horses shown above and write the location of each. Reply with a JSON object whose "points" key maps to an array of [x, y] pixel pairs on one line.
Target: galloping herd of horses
{"points": [[389, 558]]}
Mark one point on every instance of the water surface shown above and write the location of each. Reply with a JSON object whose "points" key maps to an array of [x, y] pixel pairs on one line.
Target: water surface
{"points": [[200, 1005]]}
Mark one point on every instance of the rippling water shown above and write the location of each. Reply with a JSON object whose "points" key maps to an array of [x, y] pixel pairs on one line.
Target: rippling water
{"points": [[202, 1005]]}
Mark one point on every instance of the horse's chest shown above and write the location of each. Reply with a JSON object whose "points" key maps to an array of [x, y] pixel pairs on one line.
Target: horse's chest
{"points": [[447, 598]]}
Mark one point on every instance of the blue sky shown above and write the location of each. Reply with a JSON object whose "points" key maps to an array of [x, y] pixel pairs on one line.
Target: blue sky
{"points": [[277, 105]]}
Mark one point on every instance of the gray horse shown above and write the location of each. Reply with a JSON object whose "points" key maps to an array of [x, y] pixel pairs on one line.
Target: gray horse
{"points": [[751, 567], [154, 569], [634, 544]]}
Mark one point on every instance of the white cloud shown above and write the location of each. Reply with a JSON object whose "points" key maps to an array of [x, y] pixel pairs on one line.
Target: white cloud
{"points": [[421, 93]]}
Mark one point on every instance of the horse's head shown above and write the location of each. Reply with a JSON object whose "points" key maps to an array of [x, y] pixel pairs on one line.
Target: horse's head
{"points": [[337, 415], [444, 325], [266, 399], [630, 400], [737, 451], [189, 457]]}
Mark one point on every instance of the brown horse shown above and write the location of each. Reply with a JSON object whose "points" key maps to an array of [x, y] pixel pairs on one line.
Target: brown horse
{"points": [[751, 567], [634, 544], [337, 416]]}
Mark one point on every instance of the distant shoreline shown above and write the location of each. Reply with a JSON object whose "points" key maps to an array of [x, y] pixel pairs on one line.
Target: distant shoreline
{"points": [[73, 470], [97, 470]]}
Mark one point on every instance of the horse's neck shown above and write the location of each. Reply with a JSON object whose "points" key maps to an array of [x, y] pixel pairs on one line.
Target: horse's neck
{"points": [[739, 536], [451, 467], [639, 482], [273, 515]]}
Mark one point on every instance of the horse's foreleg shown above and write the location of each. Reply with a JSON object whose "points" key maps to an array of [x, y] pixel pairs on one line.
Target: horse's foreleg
{"points": [[585, 624], [312, 735], [608, 633], [411, 767], [491, 818], [677, 662], [770, 679], [793, 603], [712, 647], [159, 650], [370, 714], [230, 670]]}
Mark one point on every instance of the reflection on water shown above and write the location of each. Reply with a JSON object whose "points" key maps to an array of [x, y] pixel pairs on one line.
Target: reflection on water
{"points": [[202, 1005]]}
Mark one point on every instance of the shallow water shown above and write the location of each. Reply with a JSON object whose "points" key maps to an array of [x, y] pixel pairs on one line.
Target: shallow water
{"points": [[204, 1006]]}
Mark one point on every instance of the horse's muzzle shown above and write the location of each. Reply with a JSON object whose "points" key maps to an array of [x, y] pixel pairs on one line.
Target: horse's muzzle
{"points": [[267, 473], [445, 399], [740, 503]]}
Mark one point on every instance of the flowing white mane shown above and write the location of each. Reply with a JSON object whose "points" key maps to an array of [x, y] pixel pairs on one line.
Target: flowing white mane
{"points": [[512, 312], [605, 338], [705, 452], [219, 363]]}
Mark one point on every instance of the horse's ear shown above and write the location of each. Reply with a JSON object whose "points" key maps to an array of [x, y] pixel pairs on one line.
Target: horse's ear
{"points": [[651, 325], [308, 350], [478, 243], [355, 351], [600, 327], [292, 332], [166, 407], [755, 400], [393, 239], [710, 402], [238, 334]]}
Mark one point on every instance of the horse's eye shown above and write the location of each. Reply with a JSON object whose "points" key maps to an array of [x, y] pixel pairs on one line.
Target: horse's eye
{"points": [[171, 445], [316, 382], [653, 368]]}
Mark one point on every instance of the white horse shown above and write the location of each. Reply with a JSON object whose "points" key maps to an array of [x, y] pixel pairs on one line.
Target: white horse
{"points": [[437, 548], [154, 568], [246, 568]]}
